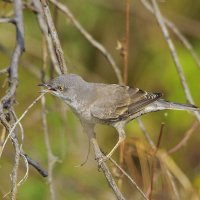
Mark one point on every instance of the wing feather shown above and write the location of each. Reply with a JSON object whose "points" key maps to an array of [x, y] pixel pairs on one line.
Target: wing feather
{"points": [[119, 102]]}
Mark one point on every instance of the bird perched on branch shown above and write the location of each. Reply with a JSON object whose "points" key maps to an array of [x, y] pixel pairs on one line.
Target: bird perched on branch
{"points": [[111, 104]]}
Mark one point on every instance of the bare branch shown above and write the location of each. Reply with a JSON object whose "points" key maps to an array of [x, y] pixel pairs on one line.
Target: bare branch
{"points": [[18, 121], [44, 29], [3, 71], [145, 132], [174, 55], [129, 178], [126, 61], [8, 100], [93, 42], [54, 37], [184, 41], [35, 164], [176, 31], [6, 20], [126, 45], [106, 171], [15, 168], [52, 159], [184, 140]]}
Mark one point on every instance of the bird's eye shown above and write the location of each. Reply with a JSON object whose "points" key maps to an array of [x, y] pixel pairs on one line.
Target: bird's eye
{"points": [[61, 88]]}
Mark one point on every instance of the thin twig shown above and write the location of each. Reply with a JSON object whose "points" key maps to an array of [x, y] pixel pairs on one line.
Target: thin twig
{"points": [[176, 31], [106, 171], [55, 17], [24, 177], [160, 136], [21, 143], [185, 42], [27, 170], [3, 71], [93, 42], [15, 169], [8, 100], [31, 162], [6, 20], [52, 159], [20, 126], [44, 29], [145, 132], [129, 178], [154, 159], [35, 164], [174, 55], [126, 45], [18, 121], [184, 140], [125, 59], [54, 37]]}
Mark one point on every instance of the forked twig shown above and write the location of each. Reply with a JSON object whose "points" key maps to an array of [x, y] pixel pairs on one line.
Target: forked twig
{"points": [[106, 171], [173, 52], [52, 159], [44, 30], [129, 178], [95, 43], [9, 98], [125, 78], [176, 31], [184, 140], [175, 57], [54, 37], [18, 121]]}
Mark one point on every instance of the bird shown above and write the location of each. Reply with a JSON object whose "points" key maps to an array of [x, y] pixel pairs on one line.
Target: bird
{"points": [[111, 104]]}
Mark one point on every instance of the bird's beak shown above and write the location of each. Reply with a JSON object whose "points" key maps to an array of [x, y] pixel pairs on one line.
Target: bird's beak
{"points": [[48, 87]]}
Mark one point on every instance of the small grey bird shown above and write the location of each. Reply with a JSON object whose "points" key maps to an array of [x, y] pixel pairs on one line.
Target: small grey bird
{"points": [[111, 104]]}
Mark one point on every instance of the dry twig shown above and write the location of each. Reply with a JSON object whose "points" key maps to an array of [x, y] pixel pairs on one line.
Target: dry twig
{"points": [[184, 140], [8, 100], [54, 37], [6, 20], [176, 31], [174, 56], [106, 170], [52, 159], [145, 132], [44, 29], [95, 43], [18, 121], [3, 71], [129, 178], [125, 59]]}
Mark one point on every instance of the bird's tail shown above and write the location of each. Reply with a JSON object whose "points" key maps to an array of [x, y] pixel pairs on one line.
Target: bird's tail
{"points": [[162, 105]]}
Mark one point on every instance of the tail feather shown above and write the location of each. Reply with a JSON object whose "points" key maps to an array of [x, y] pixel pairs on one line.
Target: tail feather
{"points": [[175, 106]]}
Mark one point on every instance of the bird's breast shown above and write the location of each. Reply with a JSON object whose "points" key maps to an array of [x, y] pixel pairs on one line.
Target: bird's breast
{"points": [[82, 110]]}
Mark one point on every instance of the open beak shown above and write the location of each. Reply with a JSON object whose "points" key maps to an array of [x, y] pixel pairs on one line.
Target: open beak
{"points": [[48, 87]]}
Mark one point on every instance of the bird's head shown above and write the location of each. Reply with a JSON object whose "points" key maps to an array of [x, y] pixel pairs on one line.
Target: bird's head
{"points": [[64, 86]]}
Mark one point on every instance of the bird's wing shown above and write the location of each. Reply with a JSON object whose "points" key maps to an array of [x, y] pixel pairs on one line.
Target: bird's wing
{"points": [[119, 102]]}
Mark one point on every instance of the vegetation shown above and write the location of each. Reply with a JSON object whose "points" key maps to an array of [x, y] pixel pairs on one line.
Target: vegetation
{"points": [[103, 41]]}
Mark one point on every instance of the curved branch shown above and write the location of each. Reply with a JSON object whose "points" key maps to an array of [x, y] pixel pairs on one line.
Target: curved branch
{"points": [[174, 55], [63, 8]]}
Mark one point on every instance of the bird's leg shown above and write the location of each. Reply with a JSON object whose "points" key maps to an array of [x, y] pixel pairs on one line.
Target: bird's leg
{"points": [[89, 130], [122, 137]]}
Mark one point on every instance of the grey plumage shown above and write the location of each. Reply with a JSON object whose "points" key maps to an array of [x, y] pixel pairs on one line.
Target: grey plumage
{"points": [[110, 104]]}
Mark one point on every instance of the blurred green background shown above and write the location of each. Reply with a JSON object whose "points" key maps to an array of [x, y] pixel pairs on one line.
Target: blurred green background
{"points": [[150, 68]]}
